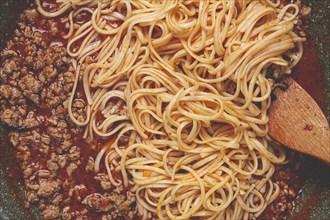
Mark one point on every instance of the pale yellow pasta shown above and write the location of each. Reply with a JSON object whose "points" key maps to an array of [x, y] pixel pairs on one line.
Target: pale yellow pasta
{"points": [[184, 82]]}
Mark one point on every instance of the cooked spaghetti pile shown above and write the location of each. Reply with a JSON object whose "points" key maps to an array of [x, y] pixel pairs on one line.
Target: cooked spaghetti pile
{"points": [[184, 88]]}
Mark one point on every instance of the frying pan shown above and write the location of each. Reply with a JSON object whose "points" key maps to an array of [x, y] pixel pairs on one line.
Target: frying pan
{"points": [[315, 194]]}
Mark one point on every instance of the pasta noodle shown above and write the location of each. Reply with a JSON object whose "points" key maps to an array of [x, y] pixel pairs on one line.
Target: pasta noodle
{"points": [[186, 84]]}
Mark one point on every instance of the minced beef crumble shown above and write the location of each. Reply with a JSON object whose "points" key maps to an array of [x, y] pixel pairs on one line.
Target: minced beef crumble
{"points": [[36, 79]]}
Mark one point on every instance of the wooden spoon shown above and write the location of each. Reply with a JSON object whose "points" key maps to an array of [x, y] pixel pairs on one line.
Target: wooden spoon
{"points": [[296, 121]]}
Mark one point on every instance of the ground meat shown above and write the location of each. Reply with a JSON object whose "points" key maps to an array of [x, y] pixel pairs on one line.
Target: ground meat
{"points": [[74, 153], [305, 11], [286, 178], [78, 192], [36, 80], [13, 138], [104, 181], [32, 197], [72, 167], [56, 162], [38, 68], [48, 187], [90, 165], [52, 164], [31, 15], [8, 68], [79, 108], [51, 212], [129, 206], [231, 88], [58, 130], [30, 87], [123, 111], [67, 215], [12, 95], [7, 53], [57, 199], [105, 203], [17, 118], [62, 161]]}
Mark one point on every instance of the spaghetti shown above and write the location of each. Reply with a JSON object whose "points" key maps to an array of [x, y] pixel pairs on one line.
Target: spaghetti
{"points": [[186, 85]]}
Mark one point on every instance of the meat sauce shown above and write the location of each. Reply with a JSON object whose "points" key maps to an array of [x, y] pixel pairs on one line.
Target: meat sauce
{"points": [[78, 176], [308, 74]]}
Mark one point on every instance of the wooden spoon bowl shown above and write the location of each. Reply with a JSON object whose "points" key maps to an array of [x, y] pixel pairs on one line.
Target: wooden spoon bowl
{"points": [[296, 121]]}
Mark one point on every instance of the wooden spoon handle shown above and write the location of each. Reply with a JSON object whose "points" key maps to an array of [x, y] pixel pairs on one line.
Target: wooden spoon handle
{"points": [[296, 121]]}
